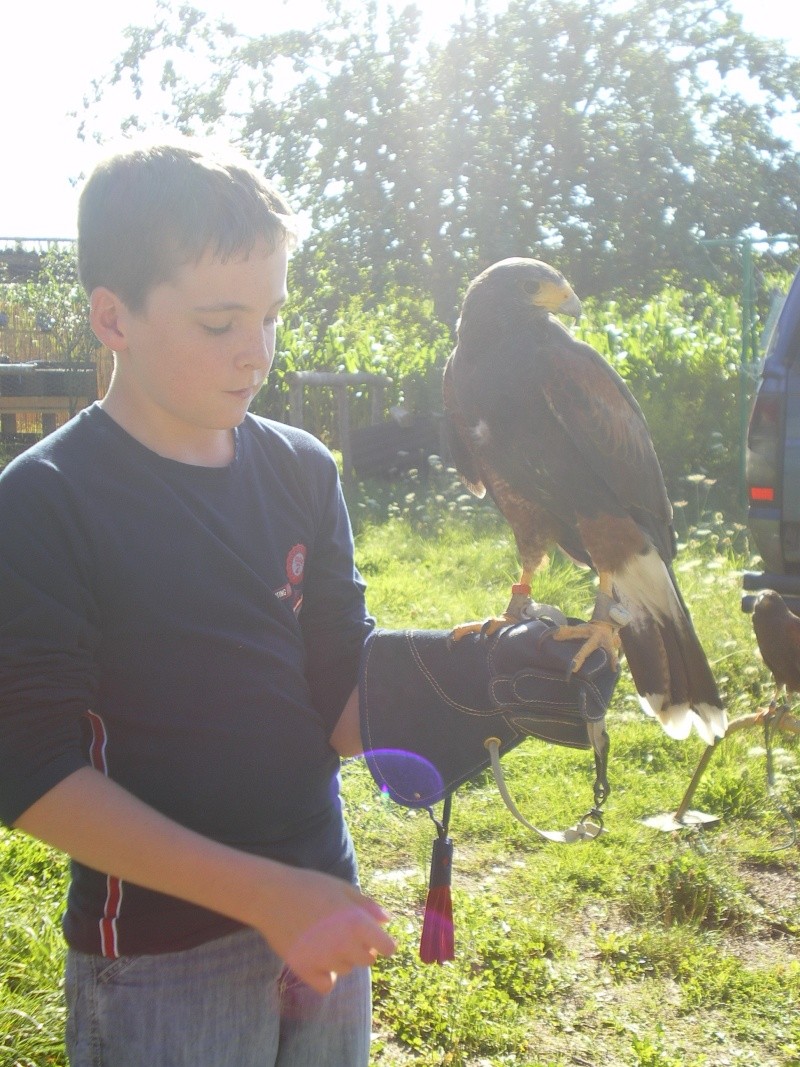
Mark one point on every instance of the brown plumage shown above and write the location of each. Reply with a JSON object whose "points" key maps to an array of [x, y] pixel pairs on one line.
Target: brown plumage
{"points": [[777, 631], [544, 425]]}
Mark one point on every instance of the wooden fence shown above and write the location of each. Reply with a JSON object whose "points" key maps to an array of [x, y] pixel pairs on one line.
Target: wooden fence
{"points": [[37, 411], [400, 442]]}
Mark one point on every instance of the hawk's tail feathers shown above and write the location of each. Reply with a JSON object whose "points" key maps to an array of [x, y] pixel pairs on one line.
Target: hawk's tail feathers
{"points": [[665, 657]]}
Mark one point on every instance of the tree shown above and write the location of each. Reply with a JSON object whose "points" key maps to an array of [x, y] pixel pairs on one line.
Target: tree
{"points": [[607, 141]]}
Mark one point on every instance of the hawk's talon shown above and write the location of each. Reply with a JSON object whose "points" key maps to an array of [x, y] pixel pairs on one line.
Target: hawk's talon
{"points": [[596, 634], [773, 713], [485, 629], [766, 713]]}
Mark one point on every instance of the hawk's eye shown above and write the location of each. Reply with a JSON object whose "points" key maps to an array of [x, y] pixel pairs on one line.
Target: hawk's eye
{"points": [[531, 285]]}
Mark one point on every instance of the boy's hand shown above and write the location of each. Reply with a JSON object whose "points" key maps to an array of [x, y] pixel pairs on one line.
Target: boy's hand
{"points": [[322, 927]]}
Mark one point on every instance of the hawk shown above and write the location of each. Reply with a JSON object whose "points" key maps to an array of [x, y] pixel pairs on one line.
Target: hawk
{"points": [[549, 430], [777, 631]]}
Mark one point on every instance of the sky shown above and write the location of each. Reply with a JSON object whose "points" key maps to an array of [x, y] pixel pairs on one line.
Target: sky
{"points": [[53, 51]]}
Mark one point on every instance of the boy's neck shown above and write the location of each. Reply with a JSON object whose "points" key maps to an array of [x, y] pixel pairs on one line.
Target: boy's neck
{"points": [[201, 448]]}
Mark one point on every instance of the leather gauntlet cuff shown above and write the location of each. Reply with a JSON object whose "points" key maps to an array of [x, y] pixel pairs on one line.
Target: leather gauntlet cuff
{"points": [[428, 704]]}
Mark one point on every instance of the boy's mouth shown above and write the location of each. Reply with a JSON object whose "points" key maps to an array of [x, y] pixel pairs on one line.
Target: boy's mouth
{"points": [[244, 394]]}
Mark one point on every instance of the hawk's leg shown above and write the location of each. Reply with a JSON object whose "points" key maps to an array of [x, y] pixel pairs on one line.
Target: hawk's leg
{"points": [[515, 612], [602, 630], [776, 707]]}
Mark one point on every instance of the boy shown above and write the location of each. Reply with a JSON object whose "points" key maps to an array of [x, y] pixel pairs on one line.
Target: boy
{"points": [[182, 623], [182, 630]]}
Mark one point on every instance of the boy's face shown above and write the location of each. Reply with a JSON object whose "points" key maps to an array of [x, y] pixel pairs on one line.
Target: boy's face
{"points": [[191, 362]]}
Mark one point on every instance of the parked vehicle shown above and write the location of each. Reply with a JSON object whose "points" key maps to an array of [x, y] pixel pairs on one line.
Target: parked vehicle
{"points": [[773, 462]]}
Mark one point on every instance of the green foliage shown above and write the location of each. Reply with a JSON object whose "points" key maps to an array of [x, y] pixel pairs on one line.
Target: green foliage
{"points": [[32, 885], [709, 979], [678, 352], [679, 355], [609, 138], [504, 967], [655, 1053], [55, 302], [411, 536], [666, 914], [643, 953], [687, 888], [400, 339]]}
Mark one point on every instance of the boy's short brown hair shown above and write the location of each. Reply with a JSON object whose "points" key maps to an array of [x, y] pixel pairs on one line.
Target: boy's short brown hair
{"points": [[147, 211]]}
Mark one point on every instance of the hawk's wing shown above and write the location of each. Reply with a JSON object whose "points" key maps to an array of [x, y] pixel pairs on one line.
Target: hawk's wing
{"points": [[777, 631], [597, 411], [458, 433]]}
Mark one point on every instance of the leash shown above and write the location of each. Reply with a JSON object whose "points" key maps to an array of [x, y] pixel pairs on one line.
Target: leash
{"points": [[590, 825]]}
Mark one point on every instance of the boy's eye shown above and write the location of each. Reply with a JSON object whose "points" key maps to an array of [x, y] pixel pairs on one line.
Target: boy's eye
{"points": [[217, 330]]}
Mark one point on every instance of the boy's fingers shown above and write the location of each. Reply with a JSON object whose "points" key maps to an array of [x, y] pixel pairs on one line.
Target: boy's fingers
{"points": [[321, 982], [378, 941], [367, 938], [383, 944], [375, 910], [360, 942]]}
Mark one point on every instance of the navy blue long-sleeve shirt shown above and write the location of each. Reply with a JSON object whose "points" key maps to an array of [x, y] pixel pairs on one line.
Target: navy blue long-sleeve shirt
{"points": [[192, 632]]}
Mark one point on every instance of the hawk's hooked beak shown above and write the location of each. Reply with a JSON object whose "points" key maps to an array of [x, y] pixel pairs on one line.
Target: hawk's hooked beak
{"points": [[558, 298], [571, 306]]}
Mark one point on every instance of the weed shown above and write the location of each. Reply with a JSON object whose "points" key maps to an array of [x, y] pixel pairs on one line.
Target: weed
{"points": [[687, 888]]}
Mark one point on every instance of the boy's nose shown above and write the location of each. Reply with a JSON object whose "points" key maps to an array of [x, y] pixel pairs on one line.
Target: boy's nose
{"points": [[258, 352]]}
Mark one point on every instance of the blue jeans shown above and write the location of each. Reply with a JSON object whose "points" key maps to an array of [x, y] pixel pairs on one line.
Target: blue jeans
{"points": [[228, 1003]]}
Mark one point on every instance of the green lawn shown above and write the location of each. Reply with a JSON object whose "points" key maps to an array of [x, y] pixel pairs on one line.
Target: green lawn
{"points": [[640, 948]]}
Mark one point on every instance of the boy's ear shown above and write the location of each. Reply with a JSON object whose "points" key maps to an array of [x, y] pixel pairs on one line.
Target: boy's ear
{"points": [[107, 315]]}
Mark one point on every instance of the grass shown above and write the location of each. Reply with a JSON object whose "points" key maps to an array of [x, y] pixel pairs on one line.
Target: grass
{"points": [[641, 949]]}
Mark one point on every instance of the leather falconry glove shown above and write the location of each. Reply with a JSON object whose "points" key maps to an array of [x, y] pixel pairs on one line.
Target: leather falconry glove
{"points": [[428, 705], [436, 712]]}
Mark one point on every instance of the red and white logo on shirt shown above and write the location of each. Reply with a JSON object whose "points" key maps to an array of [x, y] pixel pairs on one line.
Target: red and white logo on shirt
{"points": [[295, 567], [296, 564]]}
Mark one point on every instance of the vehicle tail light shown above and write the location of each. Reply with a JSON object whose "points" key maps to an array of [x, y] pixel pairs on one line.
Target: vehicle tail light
{"points": [[763, 471]]}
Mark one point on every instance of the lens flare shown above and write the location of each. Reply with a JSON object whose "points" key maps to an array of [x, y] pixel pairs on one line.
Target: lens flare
{"points": [[405, 777]]}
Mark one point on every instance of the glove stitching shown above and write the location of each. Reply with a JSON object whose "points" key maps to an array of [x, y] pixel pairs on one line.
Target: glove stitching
{"points": [[478, 712], [520, 724], [416, 800], [365, 692], [585, 674], [548, 739], [510, 681], [597, 694]]}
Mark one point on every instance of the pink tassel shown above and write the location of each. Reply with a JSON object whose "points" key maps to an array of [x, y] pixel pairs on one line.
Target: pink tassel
{"points": [[437, 943]]}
